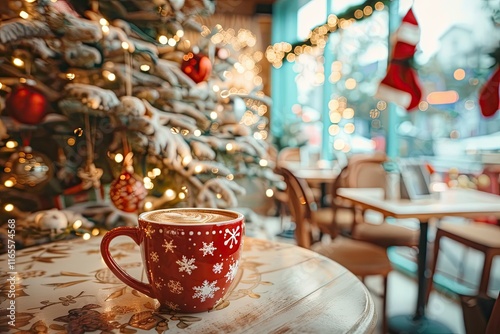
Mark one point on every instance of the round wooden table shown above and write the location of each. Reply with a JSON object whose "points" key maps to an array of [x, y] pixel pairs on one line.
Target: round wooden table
{"points": [[65, 286]]}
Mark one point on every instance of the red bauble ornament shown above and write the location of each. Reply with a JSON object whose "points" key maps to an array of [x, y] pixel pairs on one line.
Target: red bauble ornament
{"points": [[197, 66], [26, 104], [127, 192]]}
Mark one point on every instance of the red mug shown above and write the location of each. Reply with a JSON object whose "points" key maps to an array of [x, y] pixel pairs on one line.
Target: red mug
{"points": [[191, 255]]}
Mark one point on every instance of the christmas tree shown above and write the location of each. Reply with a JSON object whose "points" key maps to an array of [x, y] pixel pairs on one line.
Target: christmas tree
{"points": [[108, 110]]}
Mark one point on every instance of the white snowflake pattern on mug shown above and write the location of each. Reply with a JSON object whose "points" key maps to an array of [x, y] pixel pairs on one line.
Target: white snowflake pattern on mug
{"points": [[186, 265], [206, 290], [233, 238], [154, 257], [208, 248], [217, 268], [233, 268], [168, 245], [175, 286], [149, 231]]}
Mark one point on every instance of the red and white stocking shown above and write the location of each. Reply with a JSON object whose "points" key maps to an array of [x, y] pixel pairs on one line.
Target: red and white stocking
{"points": [[489, 95]]}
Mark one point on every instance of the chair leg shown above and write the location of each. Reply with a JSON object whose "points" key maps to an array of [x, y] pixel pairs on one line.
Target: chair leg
{"points": [[435, 256], [384, 306], [485, 277]]}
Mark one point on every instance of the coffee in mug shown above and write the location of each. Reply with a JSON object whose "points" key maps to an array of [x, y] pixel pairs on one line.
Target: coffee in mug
{"points": [[190, 255]]}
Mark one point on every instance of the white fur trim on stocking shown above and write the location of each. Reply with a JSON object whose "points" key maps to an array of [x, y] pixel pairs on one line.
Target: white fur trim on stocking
{"points": [[391, 94], [408, 33]]}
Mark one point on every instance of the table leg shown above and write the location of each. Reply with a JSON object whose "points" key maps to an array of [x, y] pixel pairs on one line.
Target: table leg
{"points": [[418, 323], [422, 268]]}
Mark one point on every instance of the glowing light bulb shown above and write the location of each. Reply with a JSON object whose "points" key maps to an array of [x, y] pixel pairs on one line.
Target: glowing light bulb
{"points": [[163, 39], [170, 194], [18, 62], [77, 224], [11, 144], [119, 157], [24, 15]]}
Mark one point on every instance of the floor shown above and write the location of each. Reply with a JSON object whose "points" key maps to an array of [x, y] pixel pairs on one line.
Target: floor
{"points": [[402, 289]]}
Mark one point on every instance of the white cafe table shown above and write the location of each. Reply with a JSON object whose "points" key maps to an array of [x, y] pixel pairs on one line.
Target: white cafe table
{"points": [[65, 287], [314, 175], [453, 202]]}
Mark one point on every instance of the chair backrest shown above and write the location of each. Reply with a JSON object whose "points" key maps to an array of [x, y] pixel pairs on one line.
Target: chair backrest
{"points": [[302, 207], [365, 171], [289, 154], [494, 321]]}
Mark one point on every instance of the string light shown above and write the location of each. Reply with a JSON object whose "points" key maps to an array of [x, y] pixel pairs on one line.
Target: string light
{"points": [[9, 183], [18, 62], [11, 144], [77, 224], [24, 15], [163, 39], [170, 194], [118, 157], [318, 36]]}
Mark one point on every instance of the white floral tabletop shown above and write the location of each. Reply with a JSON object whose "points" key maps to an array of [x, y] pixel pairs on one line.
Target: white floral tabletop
{"points": [[65, 287]]}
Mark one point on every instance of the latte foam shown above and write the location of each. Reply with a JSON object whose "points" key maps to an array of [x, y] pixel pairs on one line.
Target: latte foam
{"points": [[189, 216]]}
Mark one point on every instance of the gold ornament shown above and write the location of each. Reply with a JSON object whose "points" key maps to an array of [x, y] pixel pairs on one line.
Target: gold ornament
{"points": [[27, 170]]}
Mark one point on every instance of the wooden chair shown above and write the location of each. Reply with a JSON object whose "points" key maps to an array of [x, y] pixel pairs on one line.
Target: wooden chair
{"points": [[481, 314], [493, 325], [361, 258], [367, 171], [480, 236]]}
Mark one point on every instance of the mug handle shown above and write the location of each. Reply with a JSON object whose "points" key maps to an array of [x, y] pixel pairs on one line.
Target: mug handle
{"points": [[133, 233]]}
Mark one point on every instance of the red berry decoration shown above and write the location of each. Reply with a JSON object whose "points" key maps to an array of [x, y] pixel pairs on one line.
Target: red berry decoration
{"points": [[127, 192], [26, 104], [197, 66]]}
